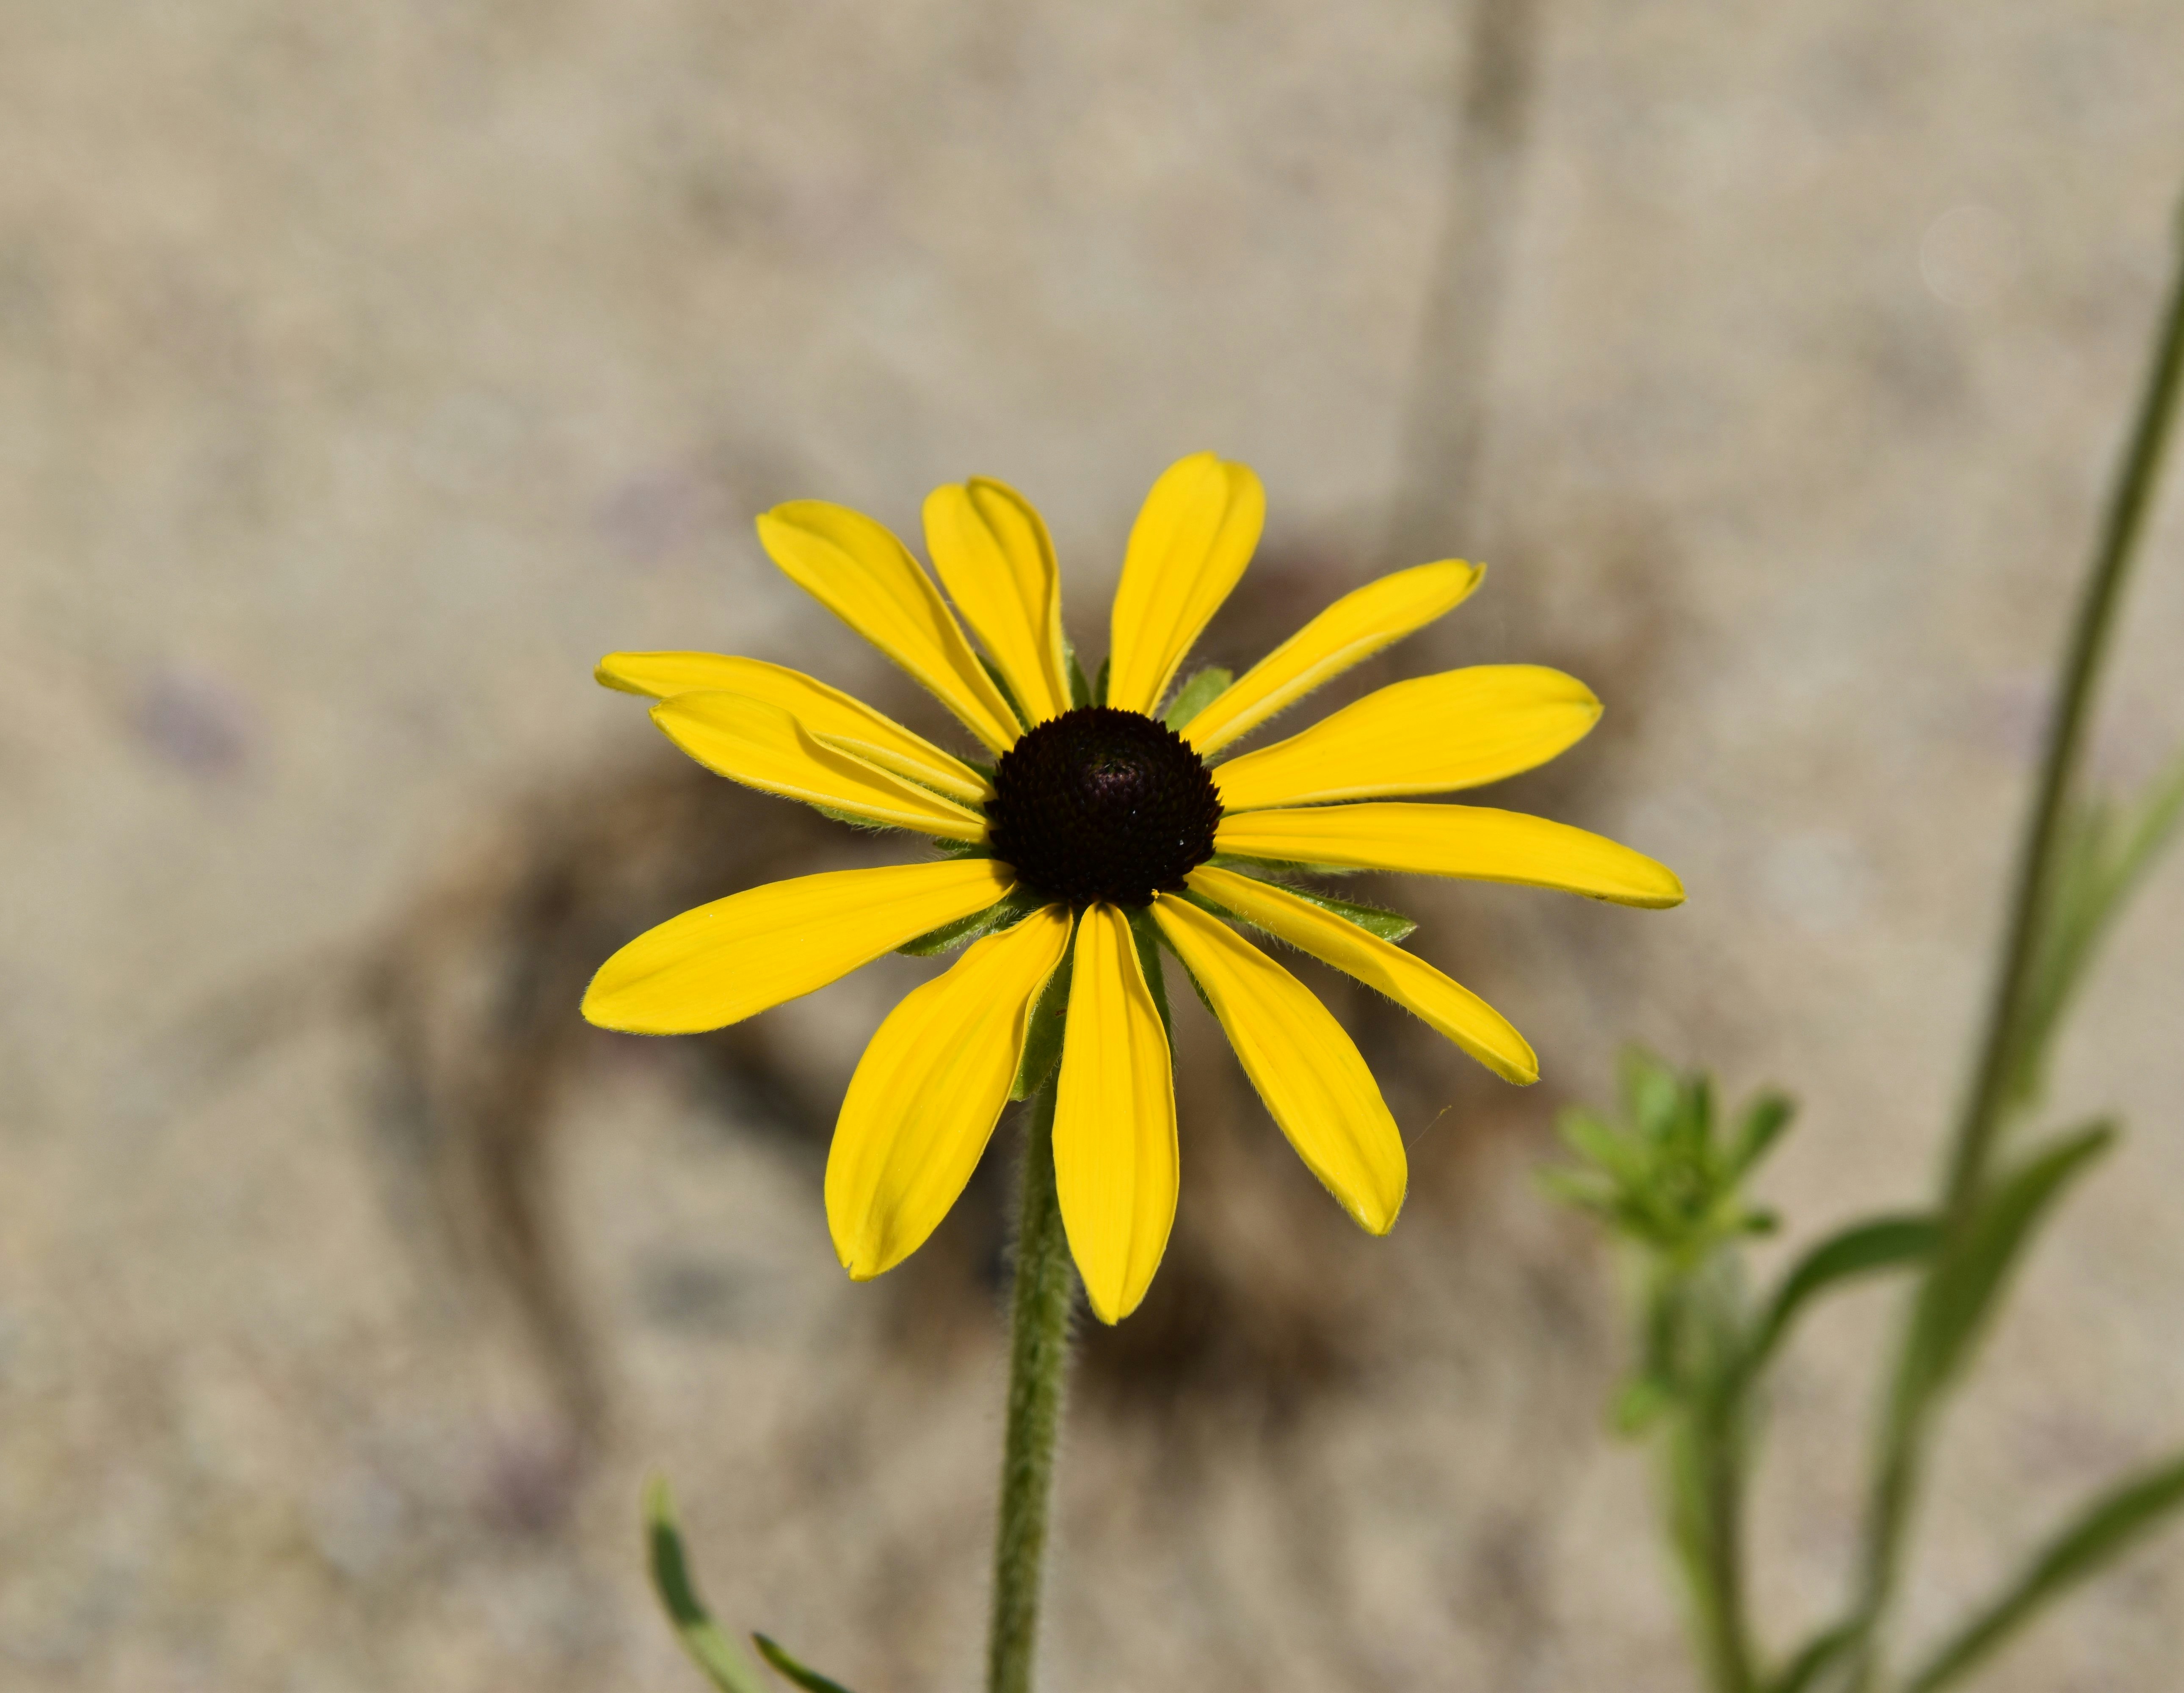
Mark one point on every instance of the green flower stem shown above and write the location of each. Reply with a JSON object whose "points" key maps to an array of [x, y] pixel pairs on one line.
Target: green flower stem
{"points": [[1039, 1351], [1896, 1483], [2123, 524]]}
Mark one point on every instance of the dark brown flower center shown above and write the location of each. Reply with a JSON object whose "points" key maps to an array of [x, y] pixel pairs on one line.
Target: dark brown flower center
{"points": [[1101, 804]]}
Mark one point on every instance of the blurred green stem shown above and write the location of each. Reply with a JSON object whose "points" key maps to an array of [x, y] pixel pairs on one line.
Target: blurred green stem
{"points": [[1909, 1414], [1038, 1350], [1706, 1454]]}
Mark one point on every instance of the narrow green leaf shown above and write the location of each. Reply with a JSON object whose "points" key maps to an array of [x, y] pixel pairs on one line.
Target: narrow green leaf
{"points": [[1651, 1095], [726, 1668], [1814, 1658], [1863, 1248], [1011, 908], [2103, 1532], [1043, 1030], [2104, 854], [1764, 1120], [808, 1679], [1080, 690], [1961, 1292], [1203, 688]]}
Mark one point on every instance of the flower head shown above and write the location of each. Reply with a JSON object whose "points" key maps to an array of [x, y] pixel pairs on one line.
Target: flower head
{"points": [[1104, 831]]}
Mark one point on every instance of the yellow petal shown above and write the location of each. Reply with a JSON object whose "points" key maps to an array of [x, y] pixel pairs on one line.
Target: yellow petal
{"points": [[1455, 730], [928, 1091], [835, 717], [859, 572], [1190, 543], [1348, 632], [720, 963], [762, 746], [1309, 1072], [1115, 1160], [996, 561], [1473, 841], [1412, 983]]}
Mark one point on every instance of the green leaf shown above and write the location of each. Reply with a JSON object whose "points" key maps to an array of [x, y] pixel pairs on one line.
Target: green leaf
{"points": [[1814, 1656], [2103, 854], [1203, 688], [1764, 1120], [1145, 933], [1640, 1405], [1080, 690], [810, 1679], [1961, 1292], [1863, 1248], [1011, 907], [726, 1668], [1043, 1031], [1652, 1096], [2103, 1532]]}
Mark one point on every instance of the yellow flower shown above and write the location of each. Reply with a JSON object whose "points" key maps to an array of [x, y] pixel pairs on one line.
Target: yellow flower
{"points": [[1097, 828]]}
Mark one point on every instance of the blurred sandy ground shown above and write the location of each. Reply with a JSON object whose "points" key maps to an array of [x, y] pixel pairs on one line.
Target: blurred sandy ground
{"points": [[366, 372]]}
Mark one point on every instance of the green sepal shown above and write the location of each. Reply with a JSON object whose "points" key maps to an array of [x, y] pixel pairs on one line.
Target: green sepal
{"points": [[1080, 690], [1376, 920], [1011, 908], [1259, 867], [1042, 1048], [1145, 933], [710, 1650], [866, 824], [808, 1679], [1189, 974], [993, 675], [1200, 691], [956, 849], [1100, 685]]}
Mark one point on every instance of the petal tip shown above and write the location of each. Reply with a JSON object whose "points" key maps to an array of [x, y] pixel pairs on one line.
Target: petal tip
{"points": [[608, 674]]}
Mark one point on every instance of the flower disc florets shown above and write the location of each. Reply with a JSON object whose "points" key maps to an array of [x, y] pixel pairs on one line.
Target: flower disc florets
{"points": [[1102, 804]]}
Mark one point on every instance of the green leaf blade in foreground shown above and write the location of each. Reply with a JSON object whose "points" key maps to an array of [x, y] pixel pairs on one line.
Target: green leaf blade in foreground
{"points": [[1863, 1248], [1805, 1669], [2103, 1532], [710, 1650], [810, 1680], [1969, 1274]]}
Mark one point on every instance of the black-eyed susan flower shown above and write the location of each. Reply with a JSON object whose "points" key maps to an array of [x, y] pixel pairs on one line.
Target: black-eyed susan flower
{"points": [[1097, 827]]}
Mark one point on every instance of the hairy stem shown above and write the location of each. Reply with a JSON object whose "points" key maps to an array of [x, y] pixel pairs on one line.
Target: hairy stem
{"points": [[1039, 1351], [1909, 1416]]}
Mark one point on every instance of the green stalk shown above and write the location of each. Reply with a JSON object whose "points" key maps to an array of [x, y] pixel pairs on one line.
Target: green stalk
{"points": [[1039, 1351], [1909, 1414], [1706, 1456]]}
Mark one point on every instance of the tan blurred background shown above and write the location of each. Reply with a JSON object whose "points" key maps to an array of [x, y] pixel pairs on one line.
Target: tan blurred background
{"points": [[367, 372]]}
